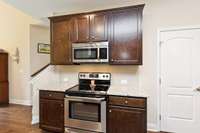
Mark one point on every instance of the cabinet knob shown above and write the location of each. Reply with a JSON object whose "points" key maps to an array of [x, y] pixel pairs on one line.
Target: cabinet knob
{"points": [[50, 95], [126, 101], [198, 89], [92, 37], [110, 111]]}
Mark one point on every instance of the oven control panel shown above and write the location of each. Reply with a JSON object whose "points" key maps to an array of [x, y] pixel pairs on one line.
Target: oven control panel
{"points": [[96, 76]]}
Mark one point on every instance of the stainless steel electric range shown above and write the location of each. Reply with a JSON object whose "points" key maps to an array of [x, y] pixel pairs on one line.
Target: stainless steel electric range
{"points": [[85, 104]]}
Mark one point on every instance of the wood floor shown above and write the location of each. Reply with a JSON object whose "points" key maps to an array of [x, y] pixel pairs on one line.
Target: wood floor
{"points": [[17, 119]]}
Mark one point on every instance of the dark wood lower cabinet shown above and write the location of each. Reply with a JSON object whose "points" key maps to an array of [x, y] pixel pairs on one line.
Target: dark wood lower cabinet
{"points": [[4, 84], [52, 111], [4, 93], [125, 118], [124, 114]]}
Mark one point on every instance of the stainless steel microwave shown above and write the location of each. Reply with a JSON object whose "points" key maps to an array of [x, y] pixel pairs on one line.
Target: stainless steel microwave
{"points": [[97, 52]]}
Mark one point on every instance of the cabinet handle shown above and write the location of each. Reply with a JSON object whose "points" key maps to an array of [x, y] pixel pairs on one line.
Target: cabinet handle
{"points": [[110, 111], [126, 102], [50, 95]]}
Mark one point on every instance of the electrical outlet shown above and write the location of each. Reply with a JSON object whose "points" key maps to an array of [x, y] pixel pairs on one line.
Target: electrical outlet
{"points": [[124, 82]]}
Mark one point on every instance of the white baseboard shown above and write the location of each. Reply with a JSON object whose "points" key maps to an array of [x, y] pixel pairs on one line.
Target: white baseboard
{"points": [[35, 120], [20, 102], [152, 127]]}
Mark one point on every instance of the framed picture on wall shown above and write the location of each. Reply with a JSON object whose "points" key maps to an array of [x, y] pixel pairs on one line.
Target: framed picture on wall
{"points": [[43, 48]]}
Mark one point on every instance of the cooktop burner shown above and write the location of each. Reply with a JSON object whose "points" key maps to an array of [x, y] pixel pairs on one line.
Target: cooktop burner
{"points": [[91, 84], [81, 90]]}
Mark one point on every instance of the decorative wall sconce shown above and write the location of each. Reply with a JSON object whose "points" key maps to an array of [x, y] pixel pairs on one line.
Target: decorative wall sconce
{"points": [[16, 56]]}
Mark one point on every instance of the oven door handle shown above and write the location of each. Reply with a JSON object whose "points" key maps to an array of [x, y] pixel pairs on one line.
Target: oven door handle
{"points": [[85, 99]]}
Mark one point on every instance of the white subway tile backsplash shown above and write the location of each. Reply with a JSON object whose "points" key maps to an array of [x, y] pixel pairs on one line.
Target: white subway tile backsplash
{"points": [[121, 75]]}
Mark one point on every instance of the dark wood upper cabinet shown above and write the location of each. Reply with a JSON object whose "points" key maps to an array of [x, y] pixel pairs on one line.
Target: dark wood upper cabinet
{"points": [[60, 42], [126, 36], [89, 28], [121, 27], [98, 27], [82, 28]]}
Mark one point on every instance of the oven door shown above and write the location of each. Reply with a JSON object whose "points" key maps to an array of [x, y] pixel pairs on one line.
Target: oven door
{"points": [[85, 113]]}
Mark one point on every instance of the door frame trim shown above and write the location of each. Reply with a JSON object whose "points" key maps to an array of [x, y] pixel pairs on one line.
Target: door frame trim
{"points": [[158, 70]]}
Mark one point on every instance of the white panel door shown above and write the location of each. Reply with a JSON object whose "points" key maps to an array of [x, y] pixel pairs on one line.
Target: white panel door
{"points": [[180, 76]]}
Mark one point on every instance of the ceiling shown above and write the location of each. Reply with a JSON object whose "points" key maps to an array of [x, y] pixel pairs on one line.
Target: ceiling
{"points": [[41, 9]]}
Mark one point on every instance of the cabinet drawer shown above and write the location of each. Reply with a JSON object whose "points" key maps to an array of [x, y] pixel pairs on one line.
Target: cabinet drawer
{"points": [[116, 100], [125, 101], [51, 95], [136, 102]]}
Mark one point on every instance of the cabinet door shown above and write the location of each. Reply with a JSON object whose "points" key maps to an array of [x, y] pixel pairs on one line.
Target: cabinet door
{"points": [[98, 27], [126, 36], [4, 92], [60, 43], [73, 30], [52, 115], [126, 120], [3, 67], [82, 28]]}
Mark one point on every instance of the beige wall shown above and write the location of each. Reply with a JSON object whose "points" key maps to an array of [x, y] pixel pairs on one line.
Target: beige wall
{"points": [[14, 32], [120, 74], [38, 34]]}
